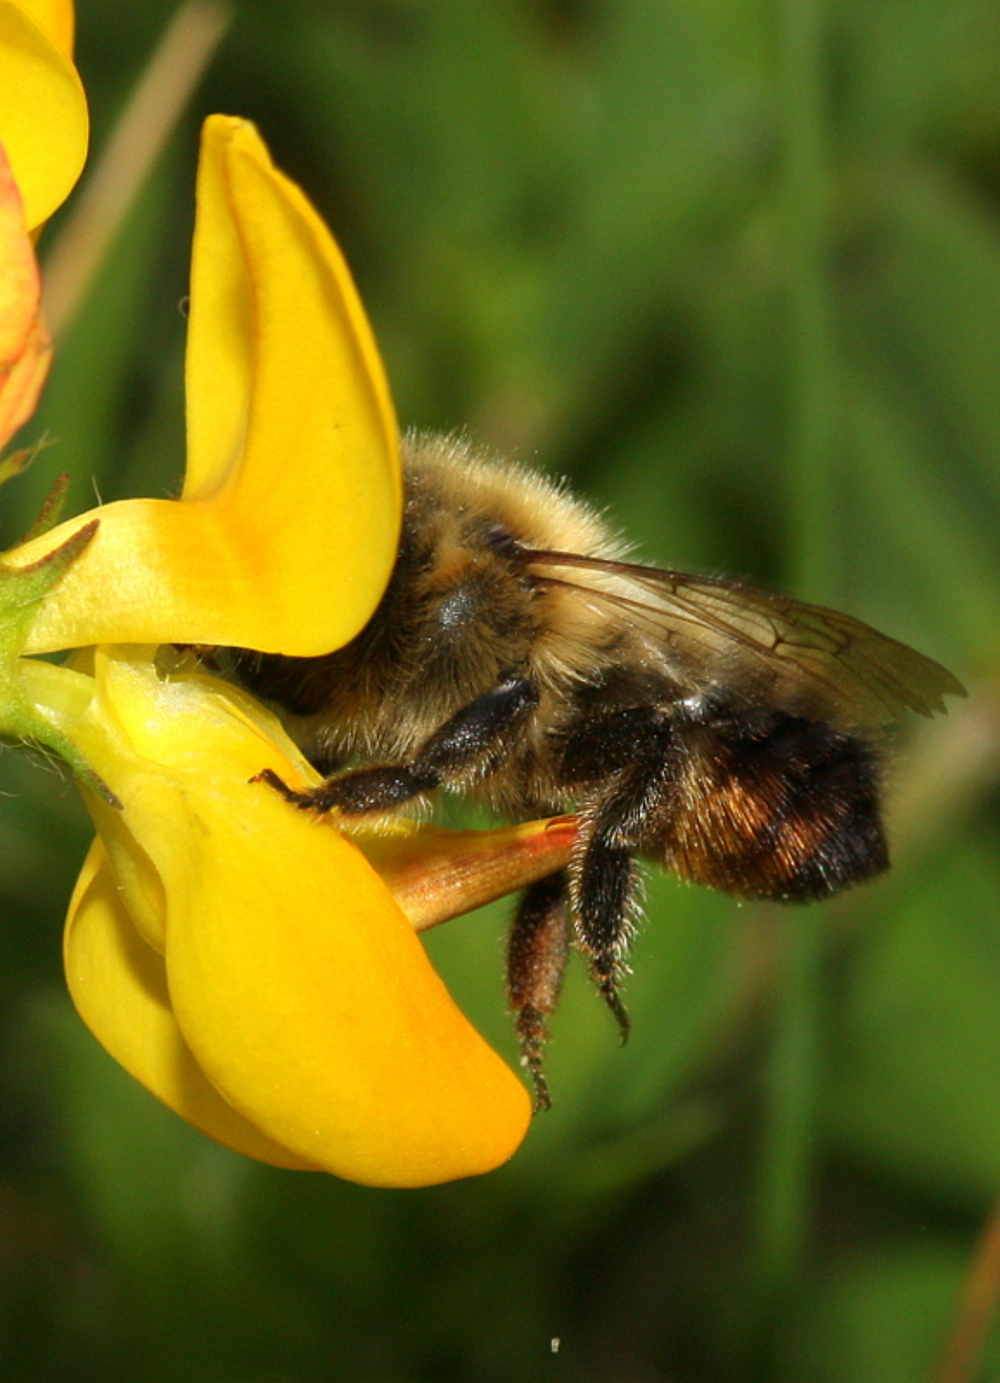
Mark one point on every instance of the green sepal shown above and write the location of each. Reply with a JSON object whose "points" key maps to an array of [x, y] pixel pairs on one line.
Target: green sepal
{"points": [[52, 507], [15, 463], [21, 588], [37, 731], [23, 718]]}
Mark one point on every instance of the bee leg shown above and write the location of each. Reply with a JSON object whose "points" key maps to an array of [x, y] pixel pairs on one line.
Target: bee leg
{"points": [[536, 961], [604, 877], [471, 739], [605, 883]]}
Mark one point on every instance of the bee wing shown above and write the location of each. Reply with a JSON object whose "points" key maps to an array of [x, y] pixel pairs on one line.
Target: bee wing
{"points": [[771, 650]]}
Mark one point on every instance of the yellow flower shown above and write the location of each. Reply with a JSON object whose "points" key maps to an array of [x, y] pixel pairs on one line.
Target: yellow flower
{"points": [[242, 959], [292, 445], [247, 964], [43, 111], [43, 143]]}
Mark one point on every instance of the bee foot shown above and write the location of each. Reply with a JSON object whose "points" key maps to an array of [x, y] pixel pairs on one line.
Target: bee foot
{"points": [[543, 1100], [532, 1063], [610, 995], [532, 1032], [297, 799]]}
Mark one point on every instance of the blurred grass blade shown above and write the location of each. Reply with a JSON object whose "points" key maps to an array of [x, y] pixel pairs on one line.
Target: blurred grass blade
{"points": [[786, 1169], [112, 185], [977, 1310]]}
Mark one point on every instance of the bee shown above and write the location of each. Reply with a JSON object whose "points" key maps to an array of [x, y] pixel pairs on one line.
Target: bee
{"points": [[519, 657]]}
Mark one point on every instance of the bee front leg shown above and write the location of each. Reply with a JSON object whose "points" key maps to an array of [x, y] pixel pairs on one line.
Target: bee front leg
{"points": [[472, 739], [536, 963]]}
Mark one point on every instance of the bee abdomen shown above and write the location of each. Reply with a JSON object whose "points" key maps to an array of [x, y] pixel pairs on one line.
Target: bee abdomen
{"points": [[776, 806]]}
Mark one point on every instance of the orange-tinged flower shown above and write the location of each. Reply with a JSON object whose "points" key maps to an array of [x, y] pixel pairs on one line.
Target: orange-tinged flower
{"points": [[43, 110], [293, 451], [43, 143], [24, 344]]}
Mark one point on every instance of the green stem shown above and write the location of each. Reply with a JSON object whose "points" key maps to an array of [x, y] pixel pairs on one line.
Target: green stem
{"points": [[812, 387], [786, 1172]]}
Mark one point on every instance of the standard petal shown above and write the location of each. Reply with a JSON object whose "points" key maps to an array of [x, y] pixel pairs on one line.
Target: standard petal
{"points": [[297, 982], [288, 528], [119, 986], [43, 110], [24, 344], [282, 363]]}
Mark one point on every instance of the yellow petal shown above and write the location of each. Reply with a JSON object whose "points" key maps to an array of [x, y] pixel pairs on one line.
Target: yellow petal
{"points": [[308, 1000], [55, 18], [296, 981], [288, 528], [43, 110], [24, 343], [137, 881], [119, 986]]}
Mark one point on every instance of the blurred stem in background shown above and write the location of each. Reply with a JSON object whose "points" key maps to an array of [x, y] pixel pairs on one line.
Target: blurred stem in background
{"points": [[813, 432], [976, 1313], [111, 186], [786, 1171]]}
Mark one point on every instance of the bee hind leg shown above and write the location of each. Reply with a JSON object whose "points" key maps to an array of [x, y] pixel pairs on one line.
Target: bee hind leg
{"points": [[605, 884], [536, 961], [605, 881]]}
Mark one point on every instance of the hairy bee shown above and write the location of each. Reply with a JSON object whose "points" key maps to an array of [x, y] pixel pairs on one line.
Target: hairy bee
{"points": [[517, 656]]}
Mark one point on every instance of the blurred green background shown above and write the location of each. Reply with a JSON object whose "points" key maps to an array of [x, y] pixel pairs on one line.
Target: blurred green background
{"points": [[734, 266]]}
